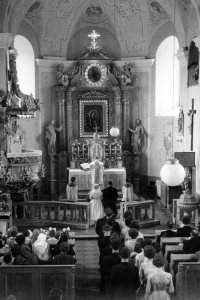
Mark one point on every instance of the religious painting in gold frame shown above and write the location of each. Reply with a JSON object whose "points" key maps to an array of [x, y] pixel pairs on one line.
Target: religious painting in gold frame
{"points": [[93, 117]]}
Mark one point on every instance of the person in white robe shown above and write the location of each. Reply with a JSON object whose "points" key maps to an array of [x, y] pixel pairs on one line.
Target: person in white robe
{"points": [[72, 191], [97, 168], [96, 208], [127, 191]]}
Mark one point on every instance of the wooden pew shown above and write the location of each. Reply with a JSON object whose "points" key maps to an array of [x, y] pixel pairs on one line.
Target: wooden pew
{"points": [[158, 233], [187, 281], [36, 282], [170, 241], [171, 249], [175, 260]]}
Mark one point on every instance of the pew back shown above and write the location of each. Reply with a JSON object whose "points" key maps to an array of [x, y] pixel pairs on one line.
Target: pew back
{"points": [[188, 287], [36, 282]]}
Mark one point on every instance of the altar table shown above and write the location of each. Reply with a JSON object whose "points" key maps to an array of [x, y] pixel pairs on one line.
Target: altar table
{"points": [[83, 178]]}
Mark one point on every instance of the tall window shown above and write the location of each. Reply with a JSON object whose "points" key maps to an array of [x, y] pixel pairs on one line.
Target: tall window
{"points": [[167, 78], [25, 62]]}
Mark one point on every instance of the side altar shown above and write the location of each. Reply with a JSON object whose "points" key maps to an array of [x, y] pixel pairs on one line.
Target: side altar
{"points": [[93, 95]]}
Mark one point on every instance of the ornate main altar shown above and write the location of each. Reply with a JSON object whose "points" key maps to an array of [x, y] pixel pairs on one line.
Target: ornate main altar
{"points": [[93, 96]]}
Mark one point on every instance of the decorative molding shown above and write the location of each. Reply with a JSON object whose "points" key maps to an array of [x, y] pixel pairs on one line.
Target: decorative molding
{"points": [[157, 10], [129, 12], [5, 40], [93, 14], [33, 10], [20, 13], [60, 11], [196, 40], [93, 94]]}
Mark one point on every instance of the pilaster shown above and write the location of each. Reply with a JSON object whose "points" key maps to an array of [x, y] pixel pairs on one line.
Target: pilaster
{"points": [[126, 98], [61, 91], [5, 42]]}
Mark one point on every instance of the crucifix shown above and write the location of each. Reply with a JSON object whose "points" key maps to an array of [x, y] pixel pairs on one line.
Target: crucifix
{"points": [[95, 128], [191, 114], [94, 36]]}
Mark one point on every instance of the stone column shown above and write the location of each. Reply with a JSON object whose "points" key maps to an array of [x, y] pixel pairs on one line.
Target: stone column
{"points": [[126, 98], [5, 42], [118, 108], [60, 91]]}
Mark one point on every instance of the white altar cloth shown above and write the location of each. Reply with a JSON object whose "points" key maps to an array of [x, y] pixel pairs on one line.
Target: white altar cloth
{"points": [[83, 178]]}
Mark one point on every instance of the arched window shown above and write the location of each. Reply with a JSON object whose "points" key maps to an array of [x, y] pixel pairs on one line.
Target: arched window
{"points": [[167, 78], [25, 62]]}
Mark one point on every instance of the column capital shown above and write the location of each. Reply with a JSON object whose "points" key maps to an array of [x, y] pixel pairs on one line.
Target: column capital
{"points": [[5, 40], [182, 55], [196, 40]]}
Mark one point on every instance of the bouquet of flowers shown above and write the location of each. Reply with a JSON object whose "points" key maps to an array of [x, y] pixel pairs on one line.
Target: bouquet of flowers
{"points": [[5, 202]]}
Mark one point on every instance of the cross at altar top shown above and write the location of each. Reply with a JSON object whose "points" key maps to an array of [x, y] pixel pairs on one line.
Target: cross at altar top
{"points": [[94, 36]]}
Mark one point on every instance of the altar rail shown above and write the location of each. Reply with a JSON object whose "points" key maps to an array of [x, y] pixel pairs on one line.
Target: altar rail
{"points": [[51, 213], [143, 211]]}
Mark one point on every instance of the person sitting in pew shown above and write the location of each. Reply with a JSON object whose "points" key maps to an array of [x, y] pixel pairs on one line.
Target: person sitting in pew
{"points": [[169, 232], [185, 230], [26, 258], [64, 258], [16, 249], [55, 294], [64, 238], [42, 249], [7, 260], [192, 245]]}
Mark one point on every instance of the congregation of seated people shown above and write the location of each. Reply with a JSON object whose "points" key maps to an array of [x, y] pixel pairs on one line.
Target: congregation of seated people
{"points": [[40, 247]]}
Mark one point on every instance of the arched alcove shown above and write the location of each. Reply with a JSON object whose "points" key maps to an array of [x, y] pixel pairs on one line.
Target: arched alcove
{"points": [[25, 65], [167, 77]]}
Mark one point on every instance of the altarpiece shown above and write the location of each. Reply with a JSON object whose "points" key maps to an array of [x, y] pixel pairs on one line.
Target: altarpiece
{"points": [[93, 96]]}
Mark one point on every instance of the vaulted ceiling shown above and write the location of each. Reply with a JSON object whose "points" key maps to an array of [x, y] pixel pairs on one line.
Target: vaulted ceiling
{"points": [[127, 27]]}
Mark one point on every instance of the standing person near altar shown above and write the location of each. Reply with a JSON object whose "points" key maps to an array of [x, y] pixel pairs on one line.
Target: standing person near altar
{"points": [[72, 190], [127, 191], [110, 195], [97, 168], [96, 208]]}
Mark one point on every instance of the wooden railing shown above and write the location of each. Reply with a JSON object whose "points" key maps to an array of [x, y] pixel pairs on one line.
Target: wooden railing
{"points": [[52, 213], [143, 211]]}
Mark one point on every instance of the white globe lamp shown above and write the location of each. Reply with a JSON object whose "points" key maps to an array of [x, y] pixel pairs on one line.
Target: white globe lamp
{"points": [[114, 131], [172, 173]]}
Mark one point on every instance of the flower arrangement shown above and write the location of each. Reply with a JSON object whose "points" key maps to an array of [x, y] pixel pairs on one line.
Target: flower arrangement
{"points": [[5, 202], [187, 181]]}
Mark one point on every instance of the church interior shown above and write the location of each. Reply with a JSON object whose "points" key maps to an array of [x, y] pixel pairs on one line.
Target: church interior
{"points": [[112, 81]]}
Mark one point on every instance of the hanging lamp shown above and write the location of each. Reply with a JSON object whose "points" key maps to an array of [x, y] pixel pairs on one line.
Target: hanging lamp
{"points": [[172, 173], [114, 131]]}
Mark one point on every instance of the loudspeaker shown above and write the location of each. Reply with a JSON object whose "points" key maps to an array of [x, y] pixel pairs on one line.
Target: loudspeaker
{"points": [[186, 159]]}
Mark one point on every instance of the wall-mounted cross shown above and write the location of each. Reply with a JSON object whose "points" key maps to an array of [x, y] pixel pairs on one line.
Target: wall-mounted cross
{"points": [[191, 114], [93, 36]]}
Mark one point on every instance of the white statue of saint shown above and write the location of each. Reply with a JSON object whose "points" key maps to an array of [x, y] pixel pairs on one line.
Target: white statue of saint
{"points": [[97, 168]]}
